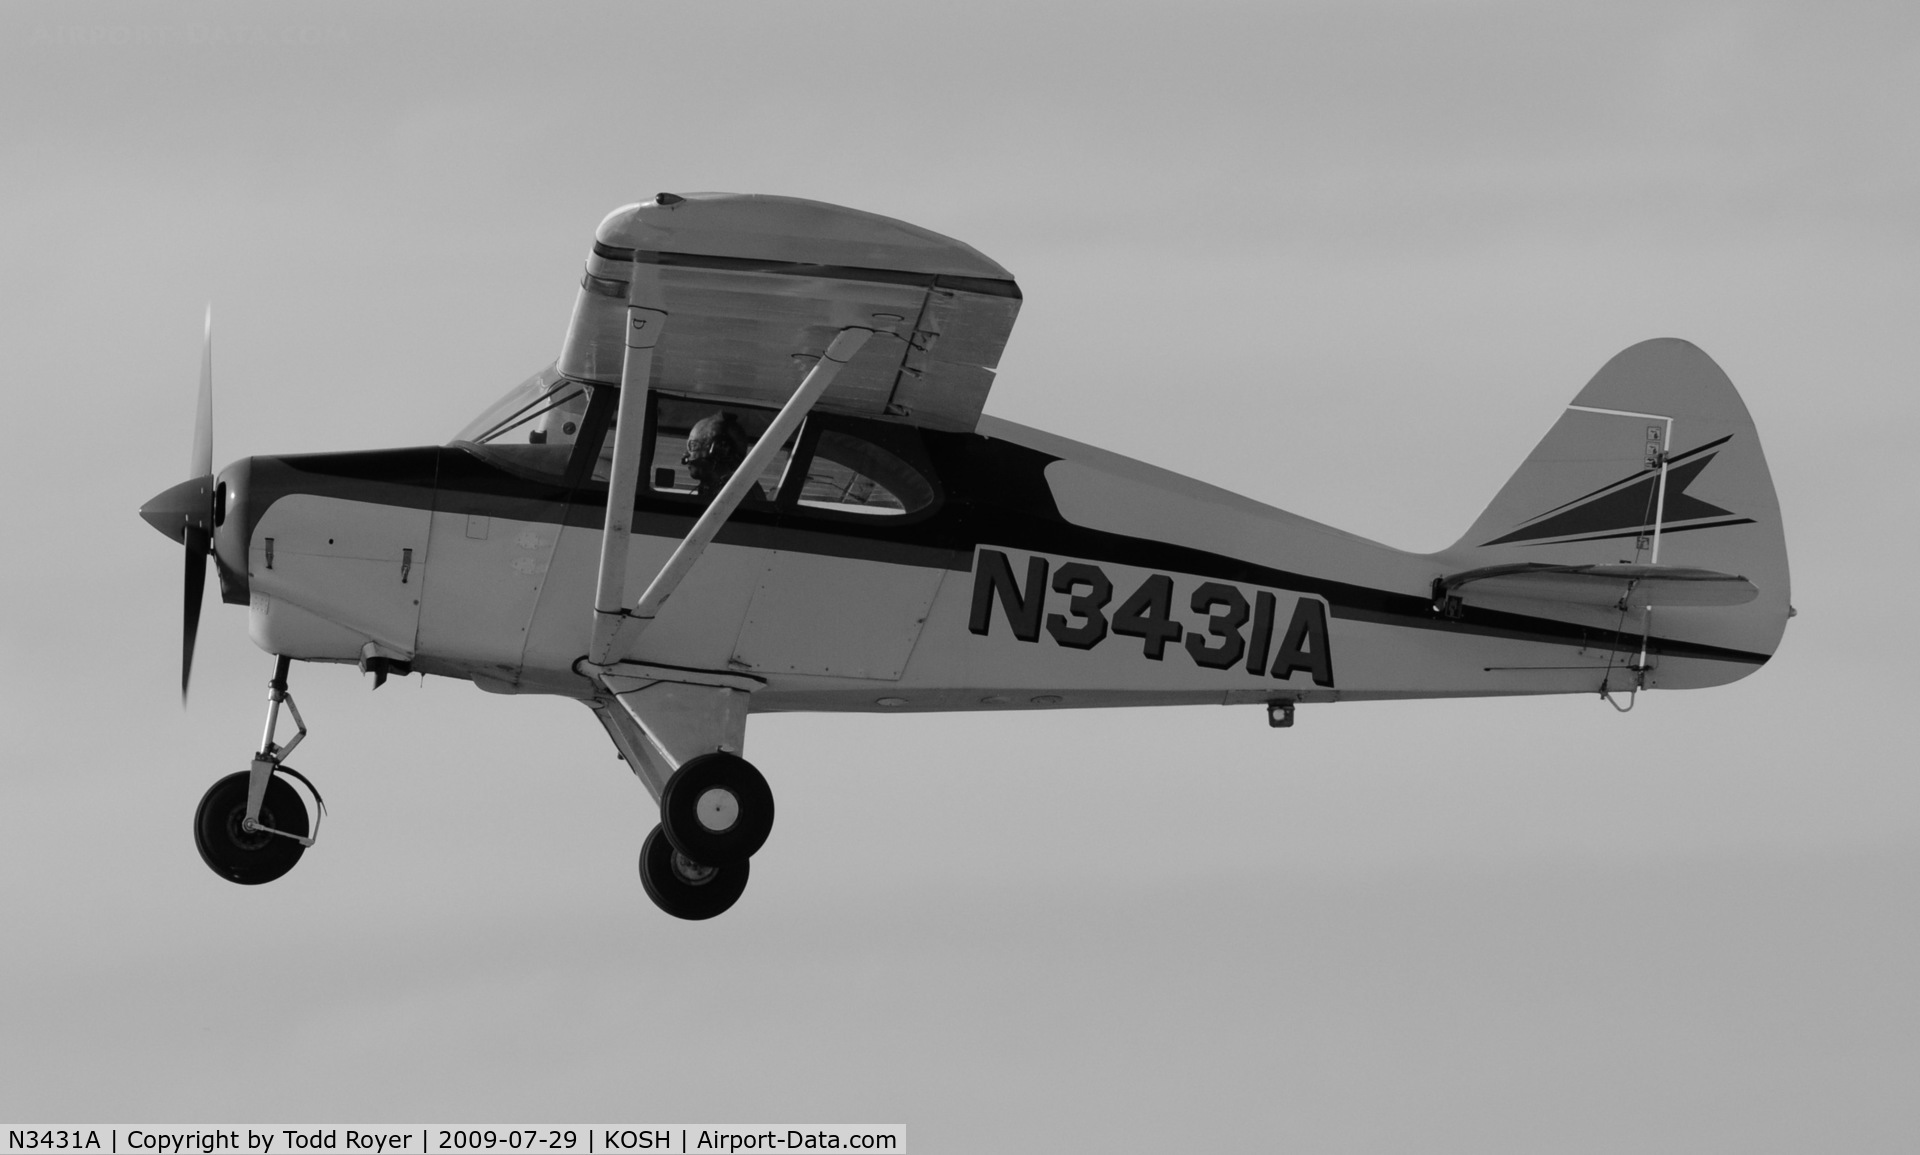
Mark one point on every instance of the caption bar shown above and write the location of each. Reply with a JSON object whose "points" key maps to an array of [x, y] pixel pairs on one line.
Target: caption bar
{"points": [[446, 1139]]}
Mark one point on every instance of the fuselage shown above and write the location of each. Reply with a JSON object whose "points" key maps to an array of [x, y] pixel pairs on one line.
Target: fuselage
{"points": [[1040, 573]]}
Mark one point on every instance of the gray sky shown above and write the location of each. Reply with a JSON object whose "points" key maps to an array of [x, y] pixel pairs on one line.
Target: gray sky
{"points": [[1350, 259]]}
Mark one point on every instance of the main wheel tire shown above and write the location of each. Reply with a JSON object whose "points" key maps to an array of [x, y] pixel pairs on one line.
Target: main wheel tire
{"points": [[249, 858], [685, 888], [717, 809]]}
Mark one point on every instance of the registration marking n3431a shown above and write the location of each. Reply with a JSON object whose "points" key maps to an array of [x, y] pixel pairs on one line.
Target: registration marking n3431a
{"points": [[1082, 620]]}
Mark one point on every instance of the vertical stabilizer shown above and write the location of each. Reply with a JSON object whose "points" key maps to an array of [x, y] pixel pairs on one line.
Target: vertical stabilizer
{"points": [[1655, 462]]}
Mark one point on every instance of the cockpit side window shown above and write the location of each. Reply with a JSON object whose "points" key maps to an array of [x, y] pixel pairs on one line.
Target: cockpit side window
{"points": [[834, 467], [697, 445]]}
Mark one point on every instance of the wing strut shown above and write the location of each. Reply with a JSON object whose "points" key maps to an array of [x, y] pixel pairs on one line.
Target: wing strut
{"points": [[629, 438], [615, 630]]}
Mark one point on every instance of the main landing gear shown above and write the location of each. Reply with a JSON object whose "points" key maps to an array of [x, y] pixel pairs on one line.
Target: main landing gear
{"points": [[715, 812], [252, 826]]}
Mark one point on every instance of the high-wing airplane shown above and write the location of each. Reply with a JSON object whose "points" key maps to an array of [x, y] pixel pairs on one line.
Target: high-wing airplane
{"points": [[758, 478]]}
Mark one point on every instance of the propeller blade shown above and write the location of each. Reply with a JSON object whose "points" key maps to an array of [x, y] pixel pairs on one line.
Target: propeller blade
{"points": [[190, 502], [202, 463], [197, 546]]}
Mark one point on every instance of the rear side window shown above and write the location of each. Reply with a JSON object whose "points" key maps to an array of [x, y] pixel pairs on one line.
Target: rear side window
{"points": [[850, 474]]}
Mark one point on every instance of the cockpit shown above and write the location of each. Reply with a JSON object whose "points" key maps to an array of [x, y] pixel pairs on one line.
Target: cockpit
{"points": [[560, 431]]}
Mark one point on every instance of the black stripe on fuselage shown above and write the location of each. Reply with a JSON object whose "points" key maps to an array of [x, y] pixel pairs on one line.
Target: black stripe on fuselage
{"points": [[996, 494]]}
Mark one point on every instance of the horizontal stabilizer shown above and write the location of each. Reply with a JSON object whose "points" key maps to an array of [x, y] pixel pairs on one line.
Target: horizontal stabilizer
{"points": [[1620, 586]]}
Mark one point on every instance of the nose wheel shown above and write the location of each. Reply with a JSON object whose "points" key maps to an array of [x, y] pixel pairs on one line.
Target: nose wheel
{"points": [[250, 856]]}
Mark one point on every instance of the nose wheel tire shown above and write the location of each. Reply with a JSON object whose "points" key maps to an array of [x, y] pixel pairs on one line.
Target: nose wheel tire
{"points": [[249, 857], [685, 888], [717, 809]]}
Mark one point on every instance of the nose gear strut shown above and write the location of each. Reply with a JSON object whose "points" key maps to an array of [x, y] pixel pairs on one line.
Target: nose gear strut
{"points": [[272, 757]]}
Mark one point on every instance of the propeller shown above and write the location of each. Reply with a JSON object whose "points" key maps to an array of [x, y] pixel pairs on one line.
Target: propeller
{"points": [[186, 511]]}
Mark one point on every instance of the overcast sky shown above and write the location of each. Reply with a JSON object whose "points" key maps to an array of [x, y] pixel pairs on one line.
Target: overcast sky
{"points": [[1350, 259]]}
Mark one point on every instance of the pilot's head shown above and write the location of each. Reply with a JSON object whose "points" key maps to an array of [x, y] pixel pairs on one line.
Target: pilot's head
{"points": [[716, 446]]}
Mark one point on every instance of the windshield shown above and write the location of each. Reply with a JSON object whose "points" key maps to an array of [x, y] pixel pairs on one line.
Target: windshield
{"points": [[534, 427]]}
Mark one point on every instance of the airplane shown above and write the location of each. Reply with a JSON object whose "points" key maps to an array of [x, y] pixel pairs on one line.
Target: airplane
{"points": [[758, 478]]}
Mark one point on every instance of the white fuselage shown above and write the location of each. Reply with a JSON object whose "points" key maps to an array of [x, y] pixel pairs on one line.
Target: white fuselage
{"points": [[1231, 601]]}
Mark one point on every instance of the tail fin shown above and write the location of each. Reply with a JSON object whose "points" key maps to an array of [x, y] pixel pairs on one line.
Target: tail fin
{"points": [[1591, 493]]}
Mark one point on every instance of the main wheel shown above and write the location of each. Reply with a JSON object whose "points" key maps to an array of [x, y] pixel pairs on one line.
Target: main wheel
{"points": [[717, 809], [684, 888], [249, 857]]}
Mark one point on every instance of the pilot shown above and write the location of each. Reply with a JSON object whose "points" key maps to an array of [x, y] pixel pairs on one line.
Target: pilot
{"points": [[716, 446]]}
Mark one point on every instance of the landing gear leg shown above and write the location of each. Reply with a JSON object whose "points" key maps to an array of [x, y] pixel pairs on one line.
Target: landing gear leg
{"points": [[251, 827]]}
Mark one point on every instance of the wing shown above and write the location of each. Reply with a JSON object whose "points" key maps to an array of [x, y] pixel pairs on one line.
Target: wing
{"points": [[755, 287]]}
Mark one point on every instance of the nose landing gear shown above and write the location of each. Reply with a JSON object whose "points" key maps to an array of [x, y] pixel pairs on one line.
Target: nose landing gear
{"points": [[252, 827]]}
